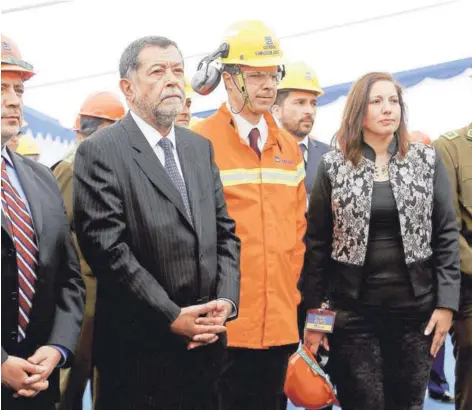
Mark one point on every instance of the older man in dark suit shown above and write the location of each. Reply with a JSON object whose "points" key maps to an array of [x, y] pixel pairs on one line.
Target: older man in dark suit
{"points": [[42, 291], [151, 221]]}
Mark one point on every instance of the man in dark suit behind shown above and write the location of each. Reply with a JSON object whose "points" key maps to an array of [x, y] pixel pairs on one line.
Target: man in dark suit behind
{"points": [[42, 290], [295, 109], [151, 221]]}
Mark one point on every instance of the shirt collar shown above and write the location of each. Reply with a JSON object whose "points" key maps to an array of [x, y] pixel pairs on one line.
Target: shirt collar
{"points": [[6, 155], [150, 133], [245, 127], [369, 153]]}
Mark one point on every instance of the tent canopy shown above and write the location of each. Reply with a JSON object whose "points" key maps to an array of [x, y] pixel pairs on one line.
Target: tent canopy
{"points": [[41, 123]]}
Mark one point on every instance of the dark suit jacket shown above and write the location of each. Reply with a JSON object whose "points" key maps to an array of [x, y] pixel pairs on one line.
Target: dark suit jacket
{"points": [[316, 150], [57, 311], [148, 258]]}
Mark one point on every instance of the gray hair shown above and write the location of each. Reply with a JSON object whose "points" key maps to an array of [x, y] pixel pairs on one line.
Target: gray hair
{"points": [[129, 61], [88, 125]]}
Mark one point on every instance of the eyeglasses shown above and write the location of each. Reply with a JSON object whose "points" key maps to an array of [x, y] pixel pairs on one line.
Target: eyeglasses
{"points": [[261, 77]]}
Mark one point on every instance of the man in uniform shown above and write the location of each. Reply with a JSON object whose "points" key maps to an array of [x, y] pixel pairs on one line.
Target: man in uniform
{"points": [[28, 147], [295, 109], [262, 173], [455, 149], [98, 111]]}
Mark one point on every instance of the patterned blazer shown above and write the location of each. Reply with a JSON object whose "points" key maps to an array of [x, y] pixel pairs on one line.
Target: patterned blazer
{"points": [[339, 216]]}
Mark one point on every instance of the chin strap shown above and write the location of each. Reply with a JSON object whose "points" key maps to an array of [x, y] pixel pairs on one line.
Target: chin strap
{"points": [[240, 83]]}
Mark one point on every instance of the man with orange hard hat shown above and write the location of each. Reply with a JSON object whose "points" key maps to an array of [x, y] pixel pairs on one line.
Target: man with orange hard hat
{"points": [[418, 136], [98, 111], [41, 287]]}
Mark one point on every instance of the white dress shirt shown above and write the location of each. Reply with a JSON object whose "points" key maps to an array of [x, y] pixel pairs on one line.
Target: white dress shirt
{"points": [[244, 128], [153, 137], [14, 180]]}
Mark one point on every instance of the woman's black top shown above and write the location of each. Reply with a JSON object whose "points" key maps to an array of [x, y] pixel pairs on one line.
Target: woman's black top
{"points": [[386, 282]]}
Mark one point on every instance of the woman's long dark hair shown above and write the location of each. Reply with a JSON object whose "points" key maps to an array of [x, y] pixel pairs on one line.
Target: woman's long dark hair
{"points": [[349, 136]]}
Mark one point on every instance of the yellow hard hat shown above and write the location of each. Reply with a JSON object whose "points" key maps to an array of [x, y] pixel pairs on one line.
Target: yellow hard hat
{"points": [[253, 44], [189, 93], [299, 76], [27, 146]]}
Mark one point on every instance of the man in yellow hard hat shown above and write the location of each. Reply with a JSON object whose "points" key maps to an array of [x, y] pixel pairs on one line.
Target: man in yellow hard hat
{"points": [[41, 288], [28, 147], [262, 171], [295, 109], [183, 119], [13, 142], [99, 110]]}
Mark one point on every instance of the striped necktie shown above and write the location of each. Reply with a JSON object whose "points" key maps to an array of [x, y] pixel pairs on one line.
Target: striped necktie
{"points": [[174, 174], [21, 228]]}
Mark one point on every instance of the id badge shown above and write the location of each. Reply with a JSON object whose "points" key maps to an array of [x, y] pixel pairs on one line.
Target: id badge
{"points": [[320, 320]]}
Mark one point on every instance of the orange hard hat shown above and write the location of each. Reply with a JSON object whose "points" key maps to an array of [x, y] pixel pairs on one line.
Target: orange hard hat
{"points": [[12, 60], [306, 384], [103, 105], [76, 124], [418, 136]]}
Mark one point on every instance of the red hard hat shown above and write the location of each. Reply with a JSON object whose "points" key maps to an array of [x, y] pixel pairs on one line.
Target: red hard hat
{"points": [[103, 105], [12, 60], [306, 384], [418, 136]]}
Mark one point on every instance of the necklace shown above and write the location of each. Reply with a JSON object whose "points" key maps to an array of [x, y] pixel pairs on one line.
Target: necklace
{"points": [[381, 173]]}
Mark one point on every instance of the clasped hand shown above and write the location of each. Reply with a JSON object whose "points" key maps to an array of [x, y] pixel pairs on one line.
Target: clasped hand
{"points": [[29, 377], [201, 324]]}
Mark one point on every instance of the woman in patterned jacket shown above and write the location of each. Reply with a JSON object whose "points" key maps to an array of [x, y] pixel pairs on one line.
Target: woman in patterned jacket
{"points": [[382, 246]]}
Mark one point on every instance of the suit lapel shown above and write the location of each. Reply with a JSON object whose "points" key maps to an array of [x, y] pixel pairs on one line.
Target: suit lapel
{"points": [[30, 186], [151, 166], [189, 169]]}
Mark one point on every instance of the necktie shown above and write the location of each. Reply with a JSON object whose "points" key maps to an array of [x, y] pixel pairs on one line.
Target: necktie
{"points": [[173, 172], [21, 227], [254, 136], [303, 150]]}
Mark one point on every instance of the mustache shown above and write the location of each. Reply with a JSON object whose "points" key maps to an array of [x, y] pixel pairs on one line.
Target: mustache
{"points": [[311, 119], [11, 114], [172, 93]]}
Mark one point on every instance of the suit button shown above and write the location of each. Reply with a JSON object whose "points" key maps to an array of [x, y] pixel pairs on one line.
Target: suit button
{"points": [[201, 258], [14, 295], [11, 252], [14, 336]]}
